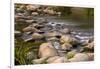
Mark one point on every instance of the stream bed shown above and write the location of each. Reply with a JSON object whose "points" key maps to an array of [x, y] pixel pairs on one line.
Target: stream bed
{"points": [[82, 30]]}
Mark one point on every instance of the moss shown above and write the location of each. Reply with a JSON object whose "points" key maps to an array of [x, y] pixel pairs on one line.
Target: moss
{"points": [[70, 55]]}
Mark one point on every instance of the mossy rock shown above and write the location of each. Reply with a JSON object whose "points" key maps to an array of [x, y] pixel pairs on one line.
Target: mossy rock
{"points": [[70, 54]]}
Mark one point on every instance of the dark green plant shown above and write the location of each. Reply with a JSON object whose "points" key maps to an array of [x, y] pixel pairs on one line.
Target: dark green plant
{"points": [[21, 50]]}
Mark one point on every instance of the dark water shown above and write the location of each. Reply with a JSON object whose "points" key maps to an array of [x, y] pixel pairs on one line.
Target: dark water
{"points": [[81, 28]]}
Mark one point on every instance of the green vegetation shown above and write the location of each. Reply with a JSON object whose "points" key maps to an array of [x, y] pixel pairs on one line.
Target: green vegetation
{"points": [[77, 13], [21, 50]]}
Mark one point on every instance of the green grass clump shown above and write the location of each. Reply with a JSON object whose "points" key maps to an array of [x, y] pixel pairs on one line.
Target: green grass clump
{"points": [[21, 50]]}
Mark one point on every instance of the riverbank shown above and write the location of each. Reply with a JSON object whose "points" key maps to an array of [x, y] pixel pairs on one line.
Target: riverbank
{"points": [[51, 39]]}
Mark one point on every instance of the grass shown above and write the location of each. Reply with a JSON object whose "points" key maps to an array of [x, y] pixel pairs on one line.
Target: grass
{"points": [[21, 50]]}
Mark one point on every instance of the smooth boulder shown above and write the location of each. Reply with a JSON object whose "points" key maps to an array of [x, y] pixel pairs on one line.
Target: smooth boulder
{"points": [[80, 57], [37, 36], [57, 59], [68, 39], [47, 50], [66, 46]]}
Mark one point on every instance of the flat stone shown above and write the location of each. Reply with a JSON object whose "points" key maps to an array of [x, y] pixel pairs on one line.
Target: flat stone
{"points": [[17, 33]]}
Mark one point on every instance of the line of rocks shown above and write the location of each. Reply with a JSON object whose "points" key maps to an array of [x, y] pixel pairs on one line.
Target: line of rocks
{"points": [[35, 10]]}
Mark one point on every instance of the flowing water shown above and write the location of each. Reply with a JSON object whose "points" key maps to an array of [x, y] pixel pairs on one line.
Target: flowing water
{"points": [[81, 29]]}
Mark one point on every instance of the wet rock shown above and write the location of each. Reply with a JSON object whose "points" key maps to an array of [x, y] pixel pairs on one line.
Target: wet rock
{"points": [[80, 57], [52, 34], [86, 42], [39, 26], [49, 11], [37, 36], [64, 39], [19, 16], [59, 13], [66, 46], [35, 13], [30, 21], [71, 54], [53, 39], [66, 31], [30, 29], [91, 56], [90, 46], [17, 33], [47, 50], [56, 44], [80, 48], [68, 39], [36, 25], [51, 59], [42, 21], [60, 60], [57, 59], [39, 61], [89, 40], [27, 37], [20, 20], [31, 7], [19, 10]]}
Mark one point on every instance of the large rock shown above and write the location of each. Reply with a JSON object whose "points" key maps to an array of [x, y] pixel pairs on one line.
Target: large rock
{"points": [[88, 41], [36, 24], [47, 50], [66, 46], [57, 59], [51, 59], [80, 57], [68, 39], [53, 39], [17, 33], [30, 29], [90, 46], [50, 12], [37, 36], [39, 61], [52, 34], [71, 54], [35, 13], [60, 60], [31, 7], [42, 21], [39, 26], [30, 21], [91, 56]]}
